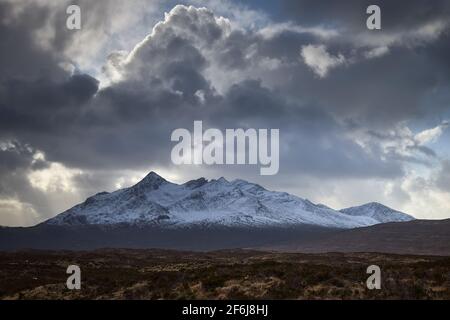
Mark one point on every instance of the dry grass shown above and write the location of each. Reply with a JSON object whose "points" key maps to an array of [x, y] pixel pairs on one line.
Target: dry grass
{"points": [[238, 274]]}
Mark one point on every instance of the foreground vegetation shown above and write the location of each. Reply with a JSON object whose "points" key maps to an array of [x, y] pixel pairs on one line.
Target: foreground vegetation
{"points": [[236, 274]]}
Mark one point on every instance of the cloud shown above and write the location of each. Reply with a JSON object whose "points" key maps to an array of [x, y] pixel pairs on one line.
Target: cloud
{"points": [[427, 199], [431, 135], [401, 143], [16, 213], [107, 25], [68, 133], [377, 52], [442, 177], [319, 60], [350, 16], [55, 178]]}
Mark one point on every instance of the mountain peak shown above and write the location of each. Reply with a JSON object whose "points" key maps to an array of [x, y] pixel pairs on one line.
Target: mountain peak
{"points": [[371, 205], [375, 204], [378, 211], [153, 175], [192, 184], [152, 181], [221, 180]]}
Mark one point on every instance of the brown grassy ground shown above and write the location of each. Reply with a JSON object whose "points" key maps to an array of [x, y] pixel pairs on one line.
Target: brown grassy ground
{"points": [[237, 274]]}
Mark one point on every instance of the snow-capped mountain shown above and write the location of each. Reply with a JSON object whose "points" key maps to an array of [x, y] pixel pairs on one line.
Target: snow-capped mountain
{"points": [[378, 212], [238, 203]]}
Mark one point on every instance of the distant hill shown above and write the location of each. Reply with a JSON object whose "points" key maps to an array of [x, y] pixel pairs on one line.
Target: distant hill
{"points": [[429, 237]]}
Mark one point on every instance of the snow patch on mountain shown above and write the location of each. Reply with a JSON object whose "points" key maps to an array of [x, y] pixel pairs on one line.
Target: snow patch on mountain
{"points": [[156, 201], [378, 212]]}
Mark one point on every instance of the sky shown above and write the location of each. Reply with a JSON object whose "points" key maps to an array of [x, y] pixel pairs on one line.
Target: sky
{"points": [[363, 114]]}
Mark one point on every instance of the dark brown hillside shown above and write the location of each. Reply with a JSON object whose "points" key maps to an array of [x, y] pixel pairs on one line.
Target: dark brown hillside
{"points": [[429, 237]]}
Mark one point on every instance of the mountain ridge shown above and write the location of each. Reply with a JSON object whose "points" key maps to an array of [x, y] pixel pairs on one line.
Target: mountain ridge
{"points": [[154, 201]]}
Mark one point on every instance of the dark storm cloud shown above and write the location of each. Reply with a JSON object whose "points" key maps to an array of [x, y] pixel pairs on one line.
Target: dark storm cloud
{"points": [[39, 101], [19, 56], [351, 14], [195, 66], [37, 96], [16, 160], [15, 156], [379, 91], [121, 125], [54, 104], [388, 88]]}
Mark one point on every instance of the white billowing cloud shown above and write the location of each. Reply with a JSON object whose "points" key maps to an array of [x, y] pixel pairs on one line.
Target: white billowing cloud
{"points": [[319, 60], [241, 15], [213, 46], [231, 54], [431, 135], [195, 29]]}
